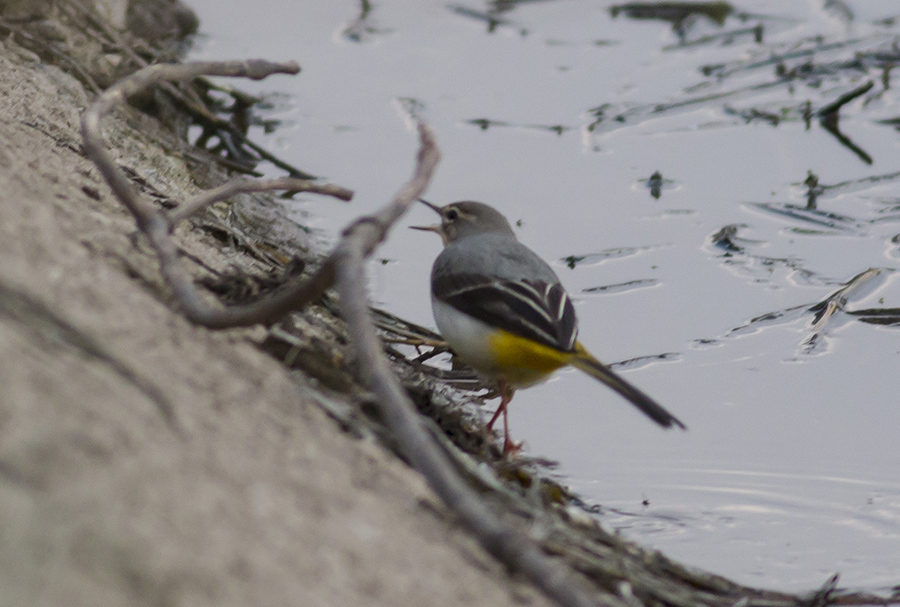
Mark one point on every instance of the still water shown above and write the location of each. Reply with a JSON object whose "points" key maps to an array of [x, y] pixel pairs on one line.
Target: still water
{"points": [[558, 113]]}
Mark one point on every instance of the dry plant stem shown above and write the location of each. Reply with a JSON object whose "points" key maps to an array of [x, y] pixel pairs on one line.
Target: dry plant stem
{"points": [[156, 226], [243, 184], [512, 548]]}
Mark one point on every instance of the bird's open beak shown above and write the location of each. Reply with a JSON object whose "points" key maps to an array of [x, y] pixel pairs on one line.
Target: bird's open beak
{"points": [[433, 207], [435, 228]]}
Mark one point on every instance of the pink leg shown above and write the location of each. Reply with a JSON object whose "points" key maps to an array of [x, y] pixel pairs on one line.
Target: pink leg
{"points": [[508, 445], [506, 394]]}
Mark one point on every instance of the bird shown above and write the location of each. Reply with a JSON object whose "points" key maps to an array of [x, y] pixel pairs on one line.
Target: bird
{"points": [[504, 312]]}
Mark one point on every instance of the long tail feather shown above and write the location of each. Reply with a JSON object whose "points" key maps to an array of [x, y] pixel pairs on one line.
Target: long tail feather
{"points": [[584, 361]]}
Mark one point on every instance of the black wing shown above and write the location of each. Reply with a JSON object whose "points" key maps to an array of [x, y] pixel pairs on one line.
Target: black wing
{"points": [[533, 309]]}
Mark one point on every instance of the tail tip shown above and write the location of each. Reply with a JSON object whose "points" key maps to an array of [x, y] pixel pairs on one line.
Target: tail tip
{"points": [[674, 421]]}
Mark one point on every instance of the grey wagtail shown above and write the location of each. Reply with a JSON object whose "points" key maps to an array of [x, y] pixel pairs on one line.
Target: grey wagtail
{"points": [[503, 311]]}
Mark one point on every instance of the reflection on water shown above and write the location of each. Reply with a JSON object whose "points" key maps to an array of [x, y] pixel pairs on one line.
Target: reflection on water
{"points": [[719, 193]]}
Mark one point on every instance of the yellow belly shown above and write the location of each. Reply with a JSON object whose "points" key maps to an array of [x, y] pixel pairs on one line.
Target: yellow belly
{"points": [[494, 353], [524, 362]]}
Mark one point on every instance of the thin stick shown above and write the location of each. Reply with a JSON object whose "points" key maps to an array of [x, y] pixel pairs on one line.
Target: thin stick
{"points": [[837, 104], [243, 184], [157, 226], [510, 547]]}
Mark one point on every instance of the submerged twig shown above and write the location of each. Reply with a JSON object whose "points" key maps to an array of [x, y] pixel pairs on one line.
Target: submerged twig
{"points": [[829, 115], [833, 107], [489, 17], [655, 183], [813, 190], [837, 301], [828, 312], [673, 12], [756, 31]]}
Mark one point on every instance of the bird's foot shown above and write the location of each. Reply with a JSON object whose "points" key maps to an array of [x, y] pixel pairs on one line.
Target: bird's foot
{"points": [[511, 448]]}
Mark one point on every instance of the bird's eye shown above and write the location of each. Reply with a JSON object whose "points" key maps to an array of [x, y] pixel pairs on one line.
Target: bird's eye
{"points": [[451, 214]]}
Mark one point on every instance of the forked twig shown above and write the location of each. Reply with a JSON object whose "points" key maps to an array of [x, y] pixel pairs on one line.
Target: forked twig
{"points": [[156, 225], [345, 268]]}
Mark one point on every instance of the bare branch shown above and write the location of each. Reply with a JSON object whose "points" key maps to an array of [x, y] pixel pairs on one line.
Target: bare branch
{"points": [[90, 121], [157, 226], [506, 544], [243, 184]]}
